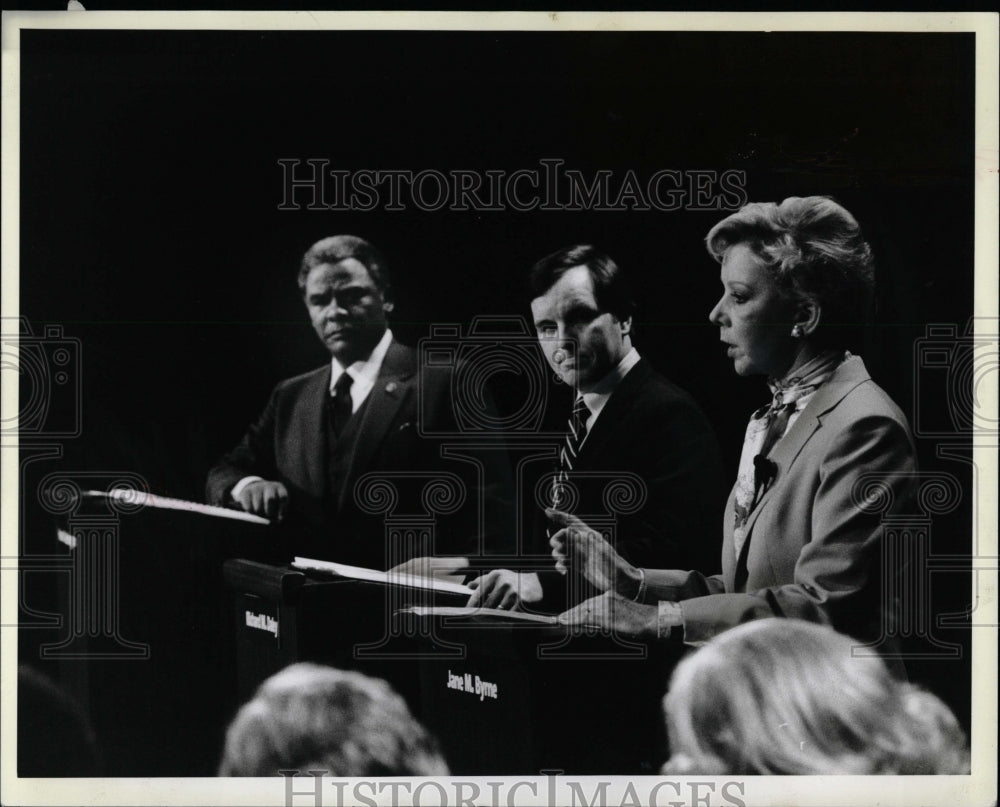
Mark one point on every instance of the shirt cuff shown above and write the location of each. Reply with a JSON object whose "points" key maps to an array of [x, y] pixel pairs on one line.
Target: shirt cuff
{"points": [[238, 487], [669, 620]]}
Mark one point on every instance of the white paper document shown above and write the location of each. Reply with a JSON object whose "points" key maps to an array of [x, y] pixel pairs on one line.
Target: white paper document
{"points": [[375, 576]]}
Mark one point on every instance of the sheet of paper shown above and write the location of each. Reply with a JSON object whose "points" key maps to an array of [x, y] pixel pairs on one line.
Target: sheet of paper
{"points": [[375, 576], [462, 611], [139, 497]]}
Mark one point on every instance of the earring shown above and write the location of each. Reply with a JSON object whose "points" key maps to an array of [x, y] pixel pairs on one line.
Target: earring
{"points": [[797, 331]]}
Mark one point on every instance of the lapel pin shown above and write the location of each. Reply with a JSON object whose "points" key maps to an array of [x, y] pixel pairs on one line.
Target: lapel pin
{"points": [[391, 387]]}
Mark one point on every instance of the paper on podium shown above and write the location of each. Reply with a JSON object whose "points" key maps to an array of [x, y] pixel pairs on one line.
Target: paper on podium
{"points": [[131, 496], [375, 576], [492, 613]]}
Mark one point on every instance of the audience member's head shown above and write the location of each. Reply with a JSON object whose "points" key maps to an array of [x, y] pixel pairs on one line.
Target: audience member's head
{"points": [[783, 696], [311, 717], [54, 737]]}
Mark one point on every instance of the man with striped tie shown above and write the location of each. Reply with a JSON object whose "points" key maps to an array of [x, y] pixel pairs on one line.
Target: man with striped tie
{"points": [[628, 425]]}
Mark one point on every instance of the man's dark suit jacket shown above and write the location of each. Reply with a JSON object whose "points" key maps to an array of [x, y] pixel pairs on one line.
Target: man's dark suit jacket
{"points": [[289, 443], [650, 463]]}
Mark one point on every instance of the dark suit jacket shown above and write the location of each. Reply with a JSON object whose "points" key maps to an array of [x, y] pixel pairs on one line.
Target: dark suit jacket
{"points": [[813, 551], [651, 462], [289, 443]]}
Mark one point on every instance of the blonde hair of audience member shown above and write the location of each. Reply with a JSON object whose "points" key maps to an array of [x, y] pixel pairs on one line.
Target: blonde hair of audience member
{"points": [[784, 696], [311, 717]]}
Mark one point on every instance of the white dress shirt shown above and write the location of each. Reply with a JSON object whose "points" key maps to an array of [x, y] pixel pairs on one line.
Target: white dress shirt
{"points": [[364, 372], [598, 397]]}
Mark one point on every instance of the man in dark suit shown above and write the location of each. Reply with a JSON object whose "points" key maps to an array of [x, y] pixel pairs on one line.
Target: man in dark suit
{"points": [[639, 454], [369, 409]]}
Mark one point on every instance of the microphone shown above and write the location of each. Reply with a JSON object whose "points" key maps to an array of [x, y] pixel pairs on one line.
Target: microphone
{"points": [[765, 472]]}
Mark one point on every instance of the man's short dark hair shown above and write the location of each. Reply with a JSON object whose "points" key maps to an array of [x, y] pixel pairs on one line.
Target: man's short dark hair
{"points": [[337, 248], [611, 289]]}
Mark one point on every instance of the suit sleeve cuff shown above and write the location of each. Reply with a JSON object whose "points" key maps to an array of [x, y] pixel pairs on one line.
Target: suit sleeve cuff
{"points": [[669, 620]]}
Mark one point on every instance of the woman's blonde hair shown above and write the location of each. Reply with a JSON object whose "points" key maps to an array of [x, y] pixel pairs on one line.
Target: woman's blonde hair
{"points": [[786, 696], [815, 251]]}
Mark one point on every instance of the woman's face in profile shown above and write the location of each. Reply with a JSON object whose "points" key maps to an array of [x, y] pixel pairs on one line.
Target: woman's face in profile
{"points": [[755, 320]]}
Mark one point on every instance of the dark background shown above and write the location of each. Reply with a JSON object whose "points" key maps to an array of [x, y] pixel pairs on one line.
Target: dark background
{"points": [[150, 229]]}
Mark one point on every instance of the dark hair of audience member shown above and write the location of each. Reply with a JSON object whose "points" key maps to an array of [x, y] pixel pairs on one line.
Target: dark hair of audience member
{"points": [[54, 737]]}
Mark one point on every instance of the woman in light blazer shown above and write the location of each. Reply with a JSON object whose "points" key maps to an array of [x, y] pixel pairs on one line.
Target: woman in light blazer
{"points": [[821, 465]]}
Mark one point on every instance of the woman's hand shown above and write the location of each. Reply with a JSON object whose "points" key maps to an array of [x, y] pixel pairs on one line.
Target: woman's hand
{"points": [[614, 613], [576, 546]]}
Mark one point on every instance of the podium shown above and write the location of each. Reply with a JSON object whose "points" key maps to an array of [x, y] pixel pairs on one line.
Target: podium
{"points": [[528, 698], [281, 615], [172, 614], [502, 697], [145, 644]]}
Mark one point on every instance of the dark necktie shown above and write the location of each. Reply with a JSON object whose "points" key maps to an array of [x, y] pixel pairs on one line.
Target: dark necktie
{"points": [[341, 405], [575, 433]]}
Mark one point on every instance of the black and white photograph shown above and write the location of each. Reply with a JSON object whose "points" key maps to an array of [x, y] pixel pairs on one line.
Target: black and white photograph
{"points": [[467, 408]]}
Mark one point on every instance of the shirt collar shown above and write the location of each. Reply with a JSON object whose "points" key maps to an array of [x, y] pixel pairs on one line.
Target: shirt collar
{"points": [[598, 396], [364, 371]]}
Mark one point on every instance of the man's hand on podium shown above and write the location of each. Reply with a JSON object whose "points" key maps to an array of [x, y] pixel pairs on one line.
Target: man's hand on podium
{"points": [[264, 498], [505, 589]]}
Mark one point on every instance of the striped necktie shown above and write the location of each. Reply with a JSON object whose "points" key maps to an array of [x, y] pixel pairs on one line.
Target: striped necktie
{"points": [[575, 434]]}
